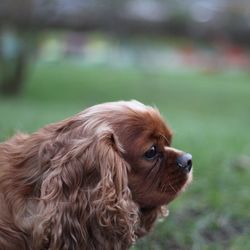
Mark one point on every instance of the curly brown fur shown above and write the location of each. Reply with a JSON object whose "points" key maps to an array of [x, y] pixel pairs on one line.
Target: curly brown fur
{"points": [[84, 183]]}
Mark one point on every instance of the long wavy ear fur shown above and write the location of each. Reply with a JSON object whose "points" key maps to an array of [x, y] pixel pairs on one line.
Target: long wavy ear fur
{"points": [[85, 202]]}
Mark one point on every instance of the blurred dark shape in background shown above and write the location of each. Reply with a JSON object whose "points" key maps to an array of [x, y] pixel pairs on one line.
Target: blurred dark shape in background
{"points": [[195, 18], [221, 28]]}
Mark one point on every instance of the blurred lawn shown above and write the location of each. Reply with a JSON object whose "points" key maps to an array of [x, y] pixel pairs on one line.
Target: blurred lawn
{"points": [[210, 114]]}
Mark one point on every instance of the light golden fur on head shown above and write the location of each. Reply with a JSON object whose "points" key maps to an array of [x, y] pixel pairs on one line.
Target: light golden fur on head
{"points": [[77, 184]]}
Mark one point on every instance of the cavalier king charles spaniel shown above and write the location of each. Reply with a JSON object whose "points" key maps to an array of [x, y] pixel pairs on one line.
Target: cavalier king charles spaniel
{"points": [[98, 180]]}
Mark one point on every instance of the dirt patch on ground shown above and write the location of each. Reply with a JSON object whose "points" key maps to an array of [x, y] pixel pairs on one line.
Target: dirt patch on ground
{"points": [[213, 228], [223, 232]]}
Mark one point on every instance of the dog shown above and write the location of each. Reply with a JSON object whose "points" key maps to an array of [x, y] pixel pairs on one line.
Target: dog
{"points": [[98, 180]]}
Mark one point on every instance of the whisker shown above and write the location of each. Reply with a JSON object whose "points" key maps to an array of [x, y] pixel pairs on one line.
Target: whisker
{"points": [[163, 187], [153, 174], [154, 168], [165, 138], [150, 172], [155, 178], [172, 187]]}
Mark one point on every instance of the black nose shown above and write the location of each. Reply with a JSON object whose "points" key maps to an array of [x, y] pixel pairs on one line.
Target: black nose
{"points": [[185, 162]]}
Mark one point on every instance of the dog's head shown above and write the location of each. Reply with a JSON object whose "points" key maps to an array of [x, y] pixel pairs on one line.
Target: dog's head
{"points": [[158, 172]]}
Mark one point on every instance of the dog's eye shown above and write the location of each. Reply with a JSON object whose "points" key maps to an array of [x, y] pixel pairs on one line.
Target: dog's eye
{"points": [[151, 153]]}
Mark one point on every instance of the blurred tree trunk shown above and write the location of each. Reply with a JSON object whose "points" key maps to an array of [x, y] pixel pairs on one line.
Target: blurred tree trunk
{"points": [[15, 52], [12, 73]]}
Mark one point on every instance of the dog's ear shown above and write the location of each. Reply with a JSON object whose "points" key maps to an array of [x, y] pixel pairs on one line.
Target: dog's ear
{"points": [[115, 211], [84, 191]]}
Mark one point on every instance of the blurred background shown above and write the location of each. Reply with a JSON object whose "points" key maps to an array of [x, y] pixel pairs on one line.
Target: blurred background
{"points": [[189, 58]]}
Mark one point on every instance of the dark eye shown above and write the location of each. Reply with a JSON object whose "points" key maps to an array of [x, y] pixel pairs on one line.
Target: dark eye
{"points": [[151, 153]]}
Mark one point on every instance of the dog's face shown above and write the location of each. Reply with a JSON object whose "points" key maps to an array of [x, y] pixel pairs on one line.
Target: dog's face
{"points": [[157, 172]]}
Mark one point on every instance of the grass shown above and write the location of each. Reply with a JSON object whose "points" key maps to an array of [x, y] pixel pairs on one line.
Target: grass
{"points": [[210, 114]]}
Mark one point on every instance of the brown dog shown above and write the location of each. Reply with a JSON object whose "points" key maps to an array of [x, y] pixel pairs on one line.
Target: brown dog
{"points": [[98, 180]]}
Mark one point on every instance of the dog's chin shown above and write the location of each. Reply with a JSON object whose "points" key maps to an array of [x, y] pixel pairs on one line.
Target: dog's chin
{"points": [[171, 189], [164, 193], [188, 181]]}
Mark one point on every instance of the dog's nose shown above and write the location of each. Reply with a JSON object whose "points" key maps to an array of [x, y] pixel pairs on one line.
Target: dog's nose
{"points": [[185, 162]]}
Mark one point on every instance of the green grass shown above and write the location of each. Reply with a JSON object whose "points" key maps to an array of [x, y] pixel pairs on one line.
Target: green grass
{"points": [[210, 115]]}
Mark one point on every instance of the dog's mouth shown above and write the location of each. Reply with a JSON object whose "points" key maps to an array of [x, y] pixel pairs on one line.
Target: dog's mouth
{"points": [[174, 186], [167, 188], [176, 178]]}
